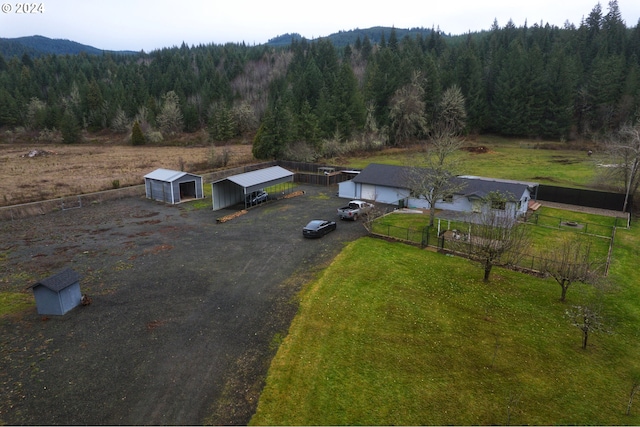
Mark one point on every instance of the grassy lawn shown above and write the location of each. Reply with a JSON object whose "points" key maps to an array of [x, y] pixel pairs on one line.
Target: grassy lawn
{"points": [[546, 229], [392, 334], [513, 159], [15, 302]]}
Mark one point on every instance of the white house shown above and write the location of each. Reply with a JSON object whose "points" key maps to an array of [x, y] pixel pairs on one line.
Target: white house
{"points": [[389, 184], [377, 182]]}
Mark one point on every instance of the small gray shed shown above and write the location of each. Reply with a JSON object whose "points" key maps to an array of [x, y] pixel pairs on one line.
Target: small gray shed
{"points": [[173, 187], [58, 294]]}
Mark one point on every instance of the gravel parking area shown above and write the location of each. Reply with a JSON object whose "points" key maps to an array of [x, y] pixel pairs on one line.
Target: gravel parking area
{"points": [[186, 312]]}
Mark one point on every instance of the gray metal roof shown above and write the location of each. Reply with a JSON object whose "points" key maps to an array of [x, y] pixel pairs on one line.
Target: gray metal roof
{"points": [[508, 181], [480, 187], [473, 186], [58, 282], [259, 177], [383, 175], [166, 175]]}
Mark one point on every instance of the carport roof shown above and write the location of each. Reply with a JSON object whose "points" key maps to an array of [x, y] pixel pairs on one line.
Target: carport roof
{"points": [[260, 176], [167, 175]]}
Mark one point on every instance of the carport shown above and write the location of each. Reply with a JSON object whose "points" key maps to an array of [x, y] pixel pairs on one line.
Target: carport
{"points": [[243, 187]]}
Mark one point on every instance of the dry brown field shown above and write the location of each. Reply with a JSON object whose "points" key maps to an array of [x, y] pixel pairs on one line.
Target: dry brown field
{"points": [[65, 170]]}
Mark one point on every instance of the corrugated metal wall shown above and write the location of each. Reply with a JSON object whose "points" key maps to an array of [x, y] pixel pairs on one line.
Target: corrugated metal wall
{"points": [[159, 190]]}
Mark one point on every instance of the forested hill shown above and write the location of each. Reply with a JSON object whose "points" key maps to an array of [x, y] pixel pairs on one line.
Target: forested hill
{"points": [[311, 98], [344, 38], [35, 46]]}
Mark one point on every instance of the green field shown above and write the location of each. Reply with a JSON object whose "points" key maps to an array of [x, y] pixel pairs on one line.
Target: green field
{"points": [[392, 334], [514, 159]]}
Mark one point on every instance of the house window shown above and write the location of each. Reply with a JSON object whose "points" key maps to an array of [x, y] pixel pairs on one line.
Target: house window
{"points": [[499, 205], [448, 198]]}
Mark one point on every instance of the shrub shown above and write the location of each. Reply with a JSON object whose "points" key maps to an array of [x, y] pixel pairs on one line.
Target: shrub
{"points": [[154, 137]]}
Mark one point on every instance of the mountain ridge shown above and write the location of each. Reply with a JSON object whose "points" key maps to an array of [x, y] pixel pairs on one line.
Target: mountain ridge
{"points": [[38, 45]]}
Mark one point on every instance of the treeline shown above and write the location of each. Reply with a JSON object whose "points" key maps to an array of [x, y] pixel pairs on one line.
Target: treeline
{"points": [[312, 98]]}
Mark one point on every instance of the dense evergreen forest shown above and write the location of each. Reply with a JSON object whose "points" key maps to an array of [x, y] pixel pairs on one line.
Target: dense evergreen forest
{"points": [[311, 98]]}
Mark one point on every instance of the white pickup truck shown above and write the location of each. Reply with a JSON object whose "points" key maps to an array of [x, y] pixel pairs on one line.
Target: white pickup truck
{"points": [[355, 209]]}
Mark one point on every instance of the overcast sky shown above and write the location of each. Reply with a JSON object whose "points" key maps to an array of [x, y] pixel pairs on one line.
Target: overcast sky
{"points": [[153, 24]]}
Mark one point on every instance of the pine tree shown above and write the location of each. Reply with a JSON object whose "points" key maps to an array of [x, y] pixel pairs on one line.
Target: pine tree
{"points": [[70, 129], [8, 109], [221, 125], [275, 133], [308, 126], [137, 137]]}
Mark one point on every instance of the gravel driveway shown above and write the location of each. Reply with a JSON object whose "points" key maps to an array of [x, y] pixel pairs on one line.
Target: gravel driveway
{"points": [[186, 312]]}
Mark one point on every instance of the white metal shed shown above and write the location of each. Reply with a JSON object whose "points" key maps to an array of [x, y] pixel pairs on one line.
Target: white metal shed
{"points": [[171, 186]]}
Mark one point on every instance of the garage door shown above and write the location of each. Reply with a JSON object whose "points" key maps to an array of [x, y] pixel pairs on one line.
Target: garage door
{"points": [[368, 192]]}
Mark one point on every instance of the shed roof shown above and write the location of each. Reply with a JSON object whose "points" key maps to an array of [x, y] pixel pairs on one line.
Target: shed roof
{"points": [[58, 282], [261, 176], [167, 175]]}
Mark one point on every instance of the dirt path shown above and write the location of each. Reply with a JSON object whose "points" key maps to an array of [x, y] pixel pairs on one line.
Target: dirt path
{"points": [[186, 313]]}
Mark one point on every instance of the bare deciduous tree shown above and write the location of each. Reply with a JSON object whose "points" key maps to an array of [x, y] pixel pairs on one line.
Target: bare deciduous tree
{"points": [[170, 118], [452, 115], [35, 113], [587, 318], [624, 149], [635, 387], [120, 122], [496, 238], [570, 261], [512, 403], [432, 174], [245, 117]]}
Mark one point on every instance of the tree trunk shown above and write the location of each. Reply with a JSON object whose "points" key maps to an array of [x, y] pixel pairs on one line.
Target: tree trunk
{"points": [[564, 287], [487, 271], [634, 389], [432, 215], [585, 336]]}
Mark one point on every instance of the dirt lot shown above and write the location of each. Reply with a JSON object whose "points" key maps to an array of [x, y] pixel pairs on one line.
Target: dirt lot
{"points": [[186, 312]]}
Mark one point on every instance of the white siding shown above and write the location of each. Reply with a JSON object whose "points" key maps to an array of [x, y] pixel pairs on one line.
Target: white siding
{"points": [[347, 190]]}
